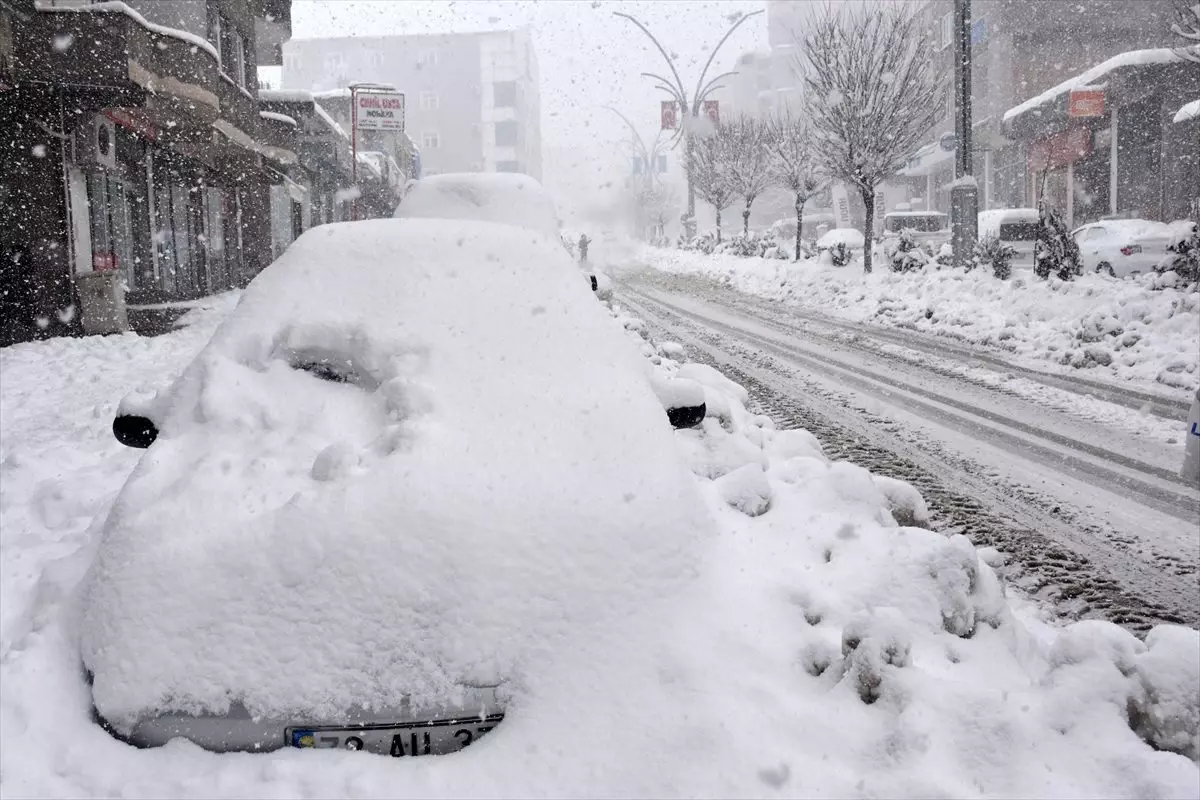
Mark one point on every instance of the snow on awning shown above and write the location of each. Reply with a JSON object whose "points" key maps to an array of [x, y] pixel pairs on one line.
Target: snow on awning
{"points": [[285, 96], [1189, 111], [1134, 58], [330, 122], [277, 117]]}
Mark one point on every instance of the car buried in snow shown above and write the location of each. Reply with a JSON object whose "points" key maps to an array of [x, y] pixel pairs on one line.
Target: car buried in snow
{"points": [[509, 198], [357, 499]]}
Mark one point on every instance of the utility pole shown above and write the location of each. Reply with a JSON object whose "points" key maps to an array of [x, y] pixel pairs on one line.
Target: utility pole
{"points": [[689, 109], [964, 193]]}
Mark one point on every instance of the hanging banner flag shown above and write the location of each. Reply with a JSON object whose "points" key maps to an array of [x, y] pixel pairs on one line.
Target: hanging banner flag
{"points": [[670, 115], [712, 110]]}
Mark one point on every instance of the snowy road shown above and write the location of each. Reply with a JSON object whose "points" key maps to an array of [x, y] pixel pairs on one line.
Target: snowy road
{"points": [[1073, 480]]}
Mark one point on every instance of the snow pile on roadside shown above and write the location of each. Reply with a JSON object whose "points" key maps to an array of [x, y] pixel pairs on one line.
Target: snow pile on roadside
{"points": [[819, 650], [1126, 330]]}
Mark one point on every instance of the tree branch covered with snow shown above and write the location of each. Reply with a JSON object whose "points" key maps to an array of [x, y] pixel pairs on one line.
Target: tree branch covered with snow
{"points": [[708, 165], [871, 97], [1187, 27], [793, 165], [749, 167]]}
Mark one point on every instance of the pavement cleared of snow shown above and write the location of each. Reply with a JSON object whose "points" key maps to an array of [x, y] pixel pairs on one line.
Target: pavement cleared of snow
{"points": [[1123, 330], [819, 648]]}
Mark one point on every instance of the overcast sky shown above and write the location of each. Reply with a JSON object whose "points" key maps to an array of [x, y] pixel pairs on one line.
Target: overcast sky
{"points": [[588, 58]]}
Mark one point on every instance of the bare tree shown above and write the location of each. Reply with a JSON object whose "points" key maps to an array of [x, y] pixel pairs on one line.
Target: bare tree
{"points": [[1187, 27], [708, 167], [792, 163], [749, 167], [871, 95]]}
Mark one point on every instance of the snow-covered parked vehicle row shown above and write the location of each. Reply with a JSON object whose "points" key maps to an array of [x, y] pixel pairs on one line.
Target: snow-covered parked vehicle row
{"points": [[364, 486]]}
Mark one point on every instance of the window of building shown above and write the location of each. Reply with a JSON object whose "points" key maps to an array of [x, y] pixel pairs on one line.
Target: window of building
{"points": [[430, 140], [507, 133], [504, 94], [508, 166], [427, 58], [429, 101], [111, 226]]}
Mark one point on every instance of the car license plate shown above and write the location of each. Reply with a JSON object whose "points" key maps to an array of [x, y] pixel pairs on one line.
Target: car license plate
{"points": [[434, 737]]}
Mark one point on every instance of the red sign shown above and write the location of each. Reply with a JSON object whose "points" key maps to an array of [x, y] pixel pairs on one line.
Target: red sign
{"points": [[1060, 149], [125, 119], [1086, 103], [712, 111], [104, 262], [670, 115]]}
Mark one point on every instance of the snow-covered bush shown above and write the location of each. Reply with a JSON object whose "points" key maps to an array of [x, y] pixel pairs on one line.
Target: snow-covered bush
{"points": [[905, 253], [1183, 253], [704, 243], [1055, 250], [945, 256], [990, 251], [752, 245], [840, 254]]}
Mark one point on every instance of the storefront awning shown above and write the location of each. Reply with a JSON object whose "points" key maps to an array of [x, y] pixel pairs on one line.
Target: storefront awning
{"points": [[1054, 104]]}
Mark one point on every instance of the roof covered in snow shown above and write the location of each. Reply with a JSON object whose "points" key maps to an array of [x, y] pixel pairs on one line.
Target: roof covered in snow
{"points": [[114, 6], [491, 473]]}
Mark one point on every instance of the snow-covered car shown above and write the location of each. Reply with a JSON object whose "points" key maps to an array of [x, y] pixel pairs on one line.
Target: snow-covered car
{"points": [[1122, 247], [509, 198], [1191, 451], [847, 241], [1015, 227], [386, 489], [506, 197], [931, 229]]}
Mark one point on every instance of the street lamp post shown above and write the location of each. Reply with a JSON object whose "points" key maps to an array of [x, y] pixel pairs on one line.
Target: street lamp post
{"points": [[964, 194], [689, 111]]}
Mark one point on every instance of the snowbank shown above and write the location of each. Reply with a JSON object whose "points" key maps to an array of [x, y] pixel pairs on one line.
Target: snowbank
{"points": [[303, 546], [1123, 329], [819, 648]]}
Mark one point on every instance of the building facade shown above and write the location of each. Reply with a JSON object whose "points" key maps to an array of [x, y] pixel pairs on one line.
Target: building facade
{"points": [[472, 100], [1021, 50], [132, 144]]}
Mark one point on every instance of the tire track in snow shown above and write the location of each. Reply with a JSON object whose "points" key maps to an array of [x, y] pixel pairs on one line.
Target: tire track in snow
{"points": [[1052, 556]]}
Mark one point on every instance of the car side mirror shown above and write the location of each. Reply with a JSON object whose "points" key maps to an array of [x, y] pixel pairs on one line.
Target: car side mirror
{"points": [[134, 431], [687, 416]]}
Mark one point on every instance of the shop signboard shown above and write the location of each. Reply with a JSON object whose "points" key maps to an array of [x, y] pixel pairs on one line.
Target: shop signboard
{"points": [[1086, 103], [379, 111]]}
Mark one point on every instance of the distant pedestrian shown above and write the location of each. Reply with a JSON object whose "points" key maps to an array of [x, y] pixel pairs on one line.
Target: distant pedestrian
{"points": [[584, 241]]}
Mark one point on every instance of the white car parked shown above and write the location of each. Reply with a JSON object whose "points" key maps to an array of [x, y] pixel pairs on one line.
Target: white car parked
{"points": [[1015, 227], [1122, 247]]}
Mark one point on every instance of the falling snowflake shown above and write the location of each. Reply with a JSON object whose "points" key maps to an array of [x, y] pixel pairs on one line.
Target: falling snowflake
{"points": [[43, 322], [63, 42], [39, 151], [65, 315]]}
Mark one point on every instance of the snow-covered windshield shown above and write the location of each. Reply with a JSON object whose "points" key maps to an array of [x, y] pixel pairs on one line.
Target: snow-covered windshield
{"points": [[620, 398]]}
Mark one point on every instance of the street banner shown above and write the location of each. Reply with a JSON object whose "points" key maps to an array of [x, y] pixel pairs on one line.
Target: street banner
{"points": [[841, 205], [670, 115], [379, 111], [712, 111]]}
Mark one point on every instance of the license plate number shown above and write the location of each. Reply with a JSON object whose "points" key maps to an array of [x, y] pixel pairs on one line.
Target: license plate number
{"points": [[434, 737]]}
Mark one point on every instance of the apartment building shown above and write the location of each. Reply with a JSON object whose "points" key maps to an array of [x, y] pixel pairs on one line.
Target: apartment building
{"points": [[472, 100]]}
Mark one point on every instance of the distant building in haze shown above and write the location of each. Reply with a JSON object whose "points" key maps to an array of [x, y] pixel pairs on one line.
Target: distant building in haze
{"points": [[472, 99]]}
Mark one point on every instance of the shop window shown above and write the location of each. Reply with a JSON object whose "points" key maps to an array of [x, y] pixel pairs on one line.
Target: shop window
{"points": [[507, 134], [111, 225], [178, 235], [429, 101], [504, 94]]}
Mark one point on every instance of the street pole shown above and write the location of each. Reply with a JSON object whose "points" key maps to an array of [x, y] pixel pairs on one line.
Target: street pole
{"points": [[354, 149], [964, 193], [688, 111]]}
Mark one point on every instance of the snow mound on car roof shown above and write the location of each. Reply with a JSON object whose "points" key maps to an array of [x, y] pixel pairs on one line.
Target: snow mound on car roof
{"points": [[489, 473], [508, 198]]}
